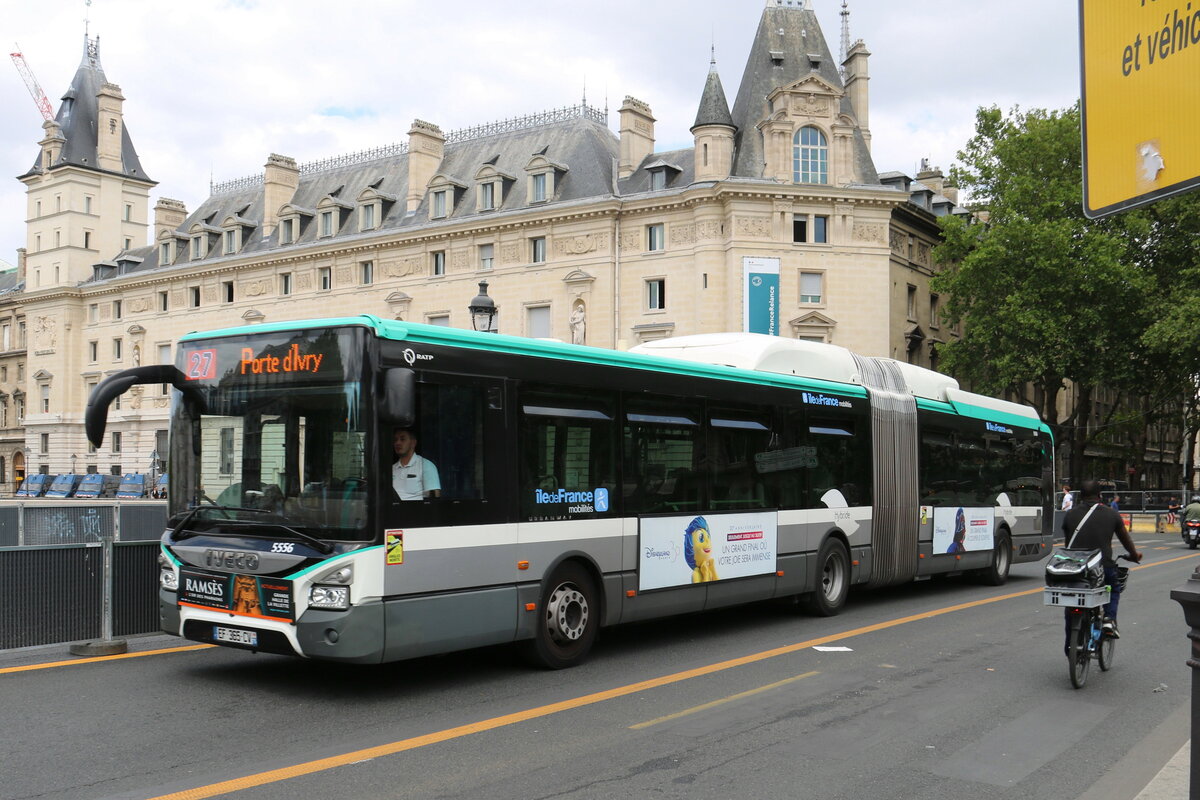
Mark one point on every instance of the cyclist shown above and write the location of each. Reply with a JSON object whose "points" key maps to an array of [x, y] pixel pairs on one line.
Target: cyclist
{"points": [[1090, 525]]}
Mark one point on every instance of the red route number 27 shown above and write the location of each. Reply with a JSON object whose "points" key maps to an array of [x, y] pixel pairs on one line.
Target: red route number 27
{"points": [[202, 365]]}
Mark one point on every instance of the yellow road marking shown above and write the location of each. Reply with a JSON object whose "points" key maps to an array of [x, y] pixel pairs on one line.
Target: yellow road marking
{"points": [[722, 701], [74, 661]]}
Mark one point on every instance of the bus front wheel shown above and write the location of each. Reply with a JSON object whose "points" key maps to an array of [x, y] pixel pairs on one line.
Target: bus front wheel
{"points": [[568, 618], [833, 580]]}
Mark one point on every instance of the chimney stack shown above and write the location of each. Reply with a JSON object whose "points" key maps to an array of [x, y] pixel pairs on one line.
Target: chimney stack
{"points": [[856, 87], [168, 216], [637, 135], [109, 128], [426, 149], [280, 178]]}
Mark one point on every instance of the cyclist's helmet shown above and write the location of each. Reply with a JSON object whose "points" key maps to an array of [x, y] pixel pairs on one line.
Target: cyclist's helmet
{"points": [[1196, 498]]}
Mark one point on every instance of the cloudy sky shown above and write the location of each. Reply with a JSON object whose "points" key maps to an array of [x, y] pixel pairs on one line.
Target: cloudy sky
{"points": [[213, 87]]}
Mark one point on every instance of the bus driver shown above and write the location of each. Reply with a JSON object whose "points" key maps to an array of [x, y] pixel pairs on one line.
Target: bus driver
{"points": [[413, 477]]}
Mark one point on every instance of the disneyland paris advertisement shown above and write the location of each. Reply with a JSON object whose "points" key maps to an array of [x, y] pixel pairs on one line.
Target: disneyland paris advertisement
{"points": [[682, 550]]}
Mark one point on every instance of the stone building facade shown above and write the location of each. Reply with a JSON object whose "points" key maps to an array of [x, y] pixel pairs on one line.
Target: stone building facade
{"points": [[582, 234]]}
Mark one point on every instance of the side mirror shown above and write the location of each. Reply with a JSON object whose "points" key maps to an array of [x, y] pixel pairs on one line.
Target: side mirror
{"points": [[398, 404]]}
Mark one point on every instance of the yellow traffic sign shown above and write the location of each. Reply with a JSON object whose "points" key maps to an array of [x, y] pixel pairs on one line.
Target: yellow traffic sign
{"points": [[1140, 63]]}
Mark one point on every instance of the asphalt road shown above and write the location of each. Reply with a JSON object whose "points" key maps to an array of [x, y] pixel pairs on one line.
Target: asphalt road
{"points": [[934, 690]]}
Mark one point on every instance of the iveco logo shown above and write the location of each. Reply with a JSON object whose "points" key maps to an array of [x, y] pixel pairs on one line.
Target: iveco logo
{"points": [[231, 559]]}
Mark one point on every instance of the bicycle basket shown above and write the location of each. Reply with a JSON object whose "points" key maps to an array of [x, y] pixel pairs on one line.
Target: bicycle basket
{"points": [[1075, 568], [1122, 577]]}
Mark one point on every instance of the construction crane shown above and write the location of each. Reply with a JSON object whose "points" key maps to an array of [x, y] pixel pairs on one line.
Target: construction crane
{"points": [[31, 83]]}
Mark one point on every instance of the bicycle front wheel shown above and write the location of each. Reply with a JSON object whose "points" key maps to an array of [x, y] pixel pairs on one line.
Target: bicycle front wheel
{"points": [[1078, 657], [1107, 651]]}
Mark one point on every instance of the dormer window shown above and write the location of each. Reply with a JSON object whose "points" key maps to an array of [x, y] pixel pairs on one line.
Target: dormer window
{"points": [[373, 205], [493, 186], [661, 174], [287, 231], [235, 229], [445, 192], [332, 214], [203, 237], [164, 253], [544, 176]]}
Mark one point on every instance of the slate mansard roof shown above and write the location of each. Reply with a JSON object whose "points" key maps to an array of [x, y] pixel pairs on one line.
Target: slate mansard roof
{"points": [[578, 144], [77, 117], [576, 141]]}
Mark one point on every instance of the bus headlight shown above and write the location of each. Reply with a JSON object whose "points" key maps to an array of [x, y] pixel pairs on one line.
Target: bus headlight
{"points": [[168, 578], [335, 598]]}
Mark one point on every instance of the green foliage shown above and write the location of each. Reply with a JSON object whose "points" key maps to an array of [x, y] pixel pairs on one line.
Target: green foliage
{"points": [[1048, 296]]}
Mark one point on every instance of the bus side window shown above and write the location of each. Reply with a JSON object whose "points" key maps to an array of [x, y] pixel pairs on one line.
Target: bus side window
{"points": [[567, 453], [735, 438], [842, 461], [662, 456]]}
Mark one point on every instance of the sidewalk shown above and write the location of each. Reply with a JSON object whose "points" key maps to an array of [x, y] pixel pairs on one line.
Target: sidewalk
{"points": [[1171, 783]]}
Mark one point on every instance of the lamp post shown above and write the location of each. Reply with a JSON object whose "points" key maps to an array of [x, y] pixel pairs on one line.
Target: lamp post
{"points": [[73, 458], [483, 310], [153, 472]]}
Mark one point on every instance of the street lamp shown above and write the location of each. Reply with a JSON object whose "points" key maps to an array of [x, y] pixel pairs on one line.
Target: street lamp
{"points": [[73, 457], [482, 310]]}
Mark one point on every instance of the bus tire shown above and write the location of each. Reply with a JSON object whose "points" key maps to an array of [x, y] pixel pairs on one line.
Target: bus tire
{"points": [[833, 580], [997, 572], [568, 618]]}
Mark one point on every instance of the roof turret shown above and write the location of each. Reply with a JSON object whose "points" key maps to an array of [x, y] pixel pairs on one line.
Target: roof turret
{"points": [[714, 108], [79, 116]]}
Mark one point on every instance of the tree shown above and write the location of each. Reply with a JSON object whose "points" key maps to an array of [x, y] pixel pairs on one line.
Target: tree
{"points": [[1048, 296]]}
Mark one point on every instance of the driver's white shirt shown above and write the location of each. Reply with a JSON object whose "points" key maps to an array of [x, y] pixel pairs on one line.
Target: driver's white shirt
{"points": [[412, 481]]}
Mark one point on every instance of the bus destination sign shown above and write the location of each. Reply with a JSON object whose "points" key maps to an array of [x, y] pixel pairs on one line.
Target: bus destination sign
{"points": [[203, 365]]}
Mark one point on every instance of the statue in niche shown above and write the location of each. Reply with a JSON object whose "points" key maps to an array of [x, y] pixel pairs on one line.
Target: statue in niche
{"points": [[578, 324]]}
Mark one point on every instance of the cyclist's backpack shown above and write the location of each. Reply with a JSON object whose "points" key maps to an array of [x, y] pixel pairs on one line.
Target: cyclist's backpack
{"points": [[1075, 569]]}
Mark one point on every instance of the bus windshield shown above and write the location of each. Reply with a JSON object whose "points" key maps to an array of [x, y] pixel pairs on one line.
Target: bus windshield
{"points": [[276, 433]]}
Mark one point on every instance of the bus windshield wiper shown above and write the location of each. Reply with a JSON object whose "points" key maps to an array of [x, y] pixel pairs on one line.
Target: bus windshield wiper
{"points": [[323, 546], [178, 531]]}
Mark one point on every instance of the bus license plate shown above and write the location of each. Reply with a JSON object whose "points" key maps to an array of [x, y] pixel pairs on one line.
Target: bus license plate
{"points": [[235, 636]]}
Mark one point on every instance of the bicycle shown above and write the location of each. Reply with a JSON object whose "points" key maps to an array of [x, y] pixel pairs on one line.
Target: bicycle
{"points": [[1075, 583]]}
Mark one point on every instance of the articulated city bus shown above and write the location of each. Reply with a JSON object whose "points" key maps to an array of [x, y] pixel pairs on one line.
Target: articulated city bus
{"points": [[557, 489]]}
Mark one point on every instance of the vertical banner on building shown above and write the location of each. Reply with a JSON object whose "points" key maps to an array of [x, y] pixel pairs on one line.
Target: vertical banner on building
{"points": [[761, 303]]}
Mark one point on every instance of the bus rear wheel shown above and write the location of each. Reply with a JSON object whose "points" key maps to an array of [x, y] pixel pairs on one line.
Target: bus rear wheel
{"points": [[833, 580], [568, 618]]}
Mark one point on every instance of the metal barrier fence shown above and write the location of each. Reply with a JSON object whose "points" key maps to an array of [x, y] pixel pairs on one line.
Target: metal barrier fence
{"points": [[52, 569], [1157, 500], [53, 593], [41, 522]]}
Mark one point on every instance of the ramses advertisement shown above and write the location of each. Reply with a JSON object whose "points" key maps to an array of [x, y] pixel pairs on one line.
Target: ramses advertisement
{"points": [[679, 551]]}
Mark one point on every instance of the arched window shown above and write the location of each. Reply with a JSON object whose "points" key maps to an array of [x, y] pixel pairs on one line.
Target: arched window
{"points": [[810, 156]]}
